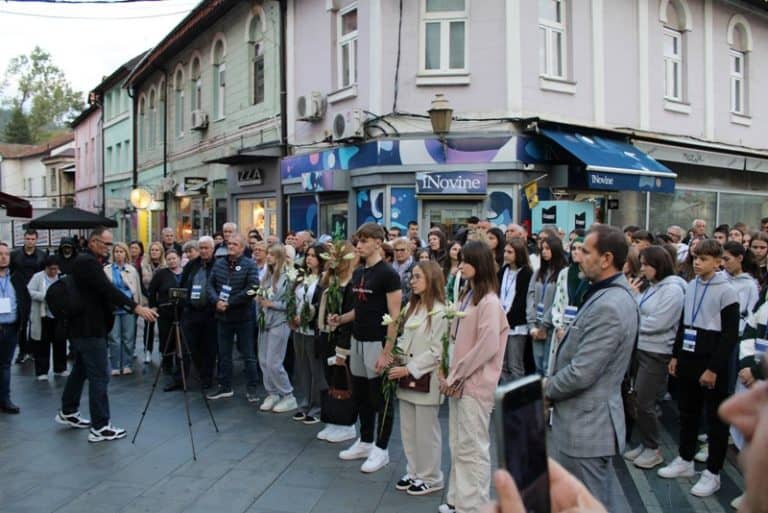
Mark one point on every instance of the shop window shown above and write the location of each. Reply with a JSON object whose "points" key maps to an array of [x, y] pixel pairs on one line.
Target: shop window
{"points": [[681, 208], [347, 47], [632, 209], [259, 214], [444, 36], [333, 218], [746, 208]]}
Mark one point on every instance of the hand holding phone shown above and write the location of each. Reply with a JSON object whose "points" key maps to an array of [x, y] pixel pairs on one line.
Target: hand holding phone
{"points": [[521, 440]]}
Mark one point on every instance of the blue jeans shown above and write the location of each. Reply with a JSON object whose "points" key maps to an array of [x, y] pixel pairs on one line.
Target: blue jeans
{"points": [[122, 341], [91, 364], [541, 355], [244, 332], [9, 335]]}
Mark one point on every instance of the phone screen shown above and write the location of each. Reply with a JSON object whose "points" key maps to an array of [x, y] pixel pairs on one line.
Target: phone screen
{"points": [[522, 441]]}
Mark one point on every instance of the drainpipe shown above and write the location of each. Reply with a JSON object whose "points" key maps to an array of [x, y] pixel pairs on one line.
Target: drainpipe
{"points": [[103, 210], [166, 195], [283, 106], [134, 137]]}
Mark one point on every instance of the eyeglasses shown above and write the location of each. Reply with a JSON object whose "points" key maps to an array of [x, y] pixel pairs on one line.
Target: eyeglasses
{"points": [[100, 241], [400, 249]]}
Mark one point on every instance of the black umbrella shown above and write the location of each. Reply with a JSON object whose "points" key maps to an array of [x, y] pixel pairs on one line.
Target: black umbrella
{"points": [[72, 218]]}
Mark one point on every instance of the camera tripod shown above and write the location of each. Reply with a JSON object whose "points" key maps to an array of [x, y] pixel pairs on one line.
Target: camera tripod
{"points": [[175, 345]]}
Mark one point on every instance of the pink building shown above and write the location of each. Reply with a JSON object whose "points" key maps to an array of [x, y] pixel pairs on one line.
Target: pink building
{"points": [[88, 159]]}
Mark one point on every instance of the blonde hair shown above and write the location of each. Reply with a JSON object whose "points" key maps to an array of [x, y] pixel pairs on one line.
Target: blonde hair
{"points": [[274, 272], [148, 257], [124, 247]]}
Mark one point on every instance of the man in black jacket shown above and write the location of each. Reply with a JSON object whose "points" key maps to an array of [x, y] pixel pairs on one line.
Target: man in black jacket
{"points": [[197, 321], [66, 255], [26, 261], [14, 306], [88, 337]]}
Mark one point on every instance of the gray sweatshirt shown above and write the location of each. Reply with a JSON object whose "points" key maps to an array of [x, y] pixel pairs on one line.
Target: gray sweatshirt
{"points": [[661, 306], [539, 292], [748, 291]]}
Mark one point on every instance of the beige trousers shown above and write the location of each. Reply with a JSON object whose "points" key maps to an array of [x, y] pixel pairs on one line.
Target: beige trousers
{"points": [[469, 440], [422, 442]]}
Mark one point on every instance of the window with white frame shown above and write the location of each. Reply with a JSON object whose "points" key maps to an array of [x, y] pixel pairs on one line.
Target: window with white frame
{"points": [[347, 46], [142, 132], [179, 103], [151, 138], [444, 36], [219, 80], [258, 72], [552, 38], [196, 86], [673, 64], [737, 59]]}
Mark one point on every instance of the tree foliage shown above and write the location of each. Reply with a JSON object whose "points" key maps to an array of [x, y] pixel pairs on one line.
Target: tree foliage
{"points": [[17, 129], [43, 94]]}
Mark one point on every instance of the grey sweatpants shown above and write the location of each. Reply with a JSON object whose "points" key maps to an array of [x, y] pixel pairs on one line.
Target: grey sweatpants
{"points": [[513, 366], [650, 382], [308, 373], [597, 474], [273, 343]]}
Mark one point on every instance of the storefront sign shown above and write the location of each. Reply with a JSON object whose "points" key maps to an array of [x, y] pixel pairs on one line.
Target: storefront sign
{"points": [[629, 182], [452, 182], [249, 176]]}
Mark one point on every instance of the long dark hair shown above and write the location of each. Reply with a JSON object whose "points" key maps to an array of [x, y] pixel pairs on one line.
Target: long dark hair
{"points": [[521, 252], [478, 254], [434, 292], [748, 264], [556, 263], [660, 259], [498, 253]]}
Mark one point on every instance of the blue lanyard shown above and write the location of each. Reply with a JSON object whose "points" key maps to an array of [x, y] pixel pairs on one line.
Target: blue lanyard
{"points": [[4, 285], [695, 292], [647, 296], [509, 282], [544, 290]]}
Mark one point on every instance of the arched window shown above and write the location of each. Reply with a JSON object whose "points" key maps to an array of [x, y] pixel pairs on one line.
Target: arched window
{"points": [[219, 78], [739, 46], [178, 100], [142, 124], [162, 95], [676, 18], [152, 135], [196, 85], [256, 48]]}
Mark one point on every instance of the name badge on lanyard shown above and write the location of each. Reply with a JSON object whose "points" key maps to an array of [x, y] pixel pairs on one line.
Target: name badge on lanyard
{"points": [[226, 290], [539, 312], [570, 313], [196, 291], [5, 305], [689, 340]]}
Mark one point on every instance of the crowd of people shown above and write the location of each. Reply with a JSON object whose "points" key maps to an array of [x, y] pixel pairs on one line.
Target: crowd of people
{"points": [[334, 330]]}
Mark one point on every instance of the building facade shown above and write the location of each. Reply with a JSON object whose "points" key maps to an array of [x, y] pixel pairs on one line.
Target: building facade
{"points": [[557, 91], [207, 119], [89, 154]]}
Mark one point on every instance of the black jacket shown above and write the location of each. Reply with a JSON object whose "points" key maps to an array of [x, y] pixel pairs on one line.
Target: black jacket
{"points": [[157, 293], [99, 296], [187, 278], [27, 266], [516, 314]]}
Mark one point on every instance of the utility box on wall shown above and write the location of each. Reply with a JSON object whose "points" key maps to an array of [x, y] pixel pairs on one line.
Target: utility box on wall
{"points": [[568, 215]]}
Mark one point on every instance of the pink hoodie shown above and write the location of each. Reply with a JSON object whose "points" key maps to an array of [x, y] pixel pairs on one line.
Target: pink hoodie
{"points": [[480, 343]]}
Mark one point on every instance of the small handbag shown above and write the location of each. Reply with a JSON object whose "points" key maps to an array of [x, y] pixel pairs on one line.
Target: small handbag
{"points": [[336, 405], [416, 385]]}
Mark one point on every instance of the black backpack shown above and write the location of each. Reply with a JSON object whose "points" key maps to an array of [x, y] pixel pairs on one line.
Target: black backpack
{"points": [[63, 298]]}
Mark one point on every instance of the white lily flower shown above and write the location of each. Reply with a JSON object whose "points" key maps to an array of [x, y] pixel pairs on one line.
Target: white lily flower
{"points": [[348, 256], [386, 320]]}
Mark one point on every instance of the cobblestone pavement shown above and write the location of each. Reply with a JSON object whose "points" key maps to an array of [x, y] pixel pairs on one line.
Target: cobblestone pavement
{"points": [[257, 463]]}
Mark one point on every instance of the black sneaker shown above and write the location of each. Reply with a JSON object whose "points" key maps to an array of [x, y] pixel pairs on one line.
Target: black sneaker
{"points": [[422, 488], [73, 420], [404, 483], [106, 433], [299, 416], [221, 393], [309, 420]]}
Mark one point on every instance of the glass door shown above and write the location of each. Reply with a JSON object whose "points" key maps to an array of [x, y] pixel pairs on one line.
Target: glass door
{"points": [[449, 216]]}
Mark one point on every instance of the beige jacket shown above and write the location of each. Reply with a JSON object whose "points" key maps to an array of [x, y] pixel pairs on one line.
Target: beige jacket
{"points": [[130, 277]]}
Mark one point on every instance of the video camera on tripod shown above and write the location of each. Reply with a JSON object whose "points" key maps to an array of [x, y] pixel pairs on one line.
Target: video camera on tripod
{"points": [[177, 294]]}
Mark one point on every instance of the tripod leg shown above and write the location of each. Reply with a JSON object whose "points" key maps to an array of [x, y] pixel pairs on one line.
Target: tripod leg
{"points": [[185, 348], [151, 394], [180, 356]]}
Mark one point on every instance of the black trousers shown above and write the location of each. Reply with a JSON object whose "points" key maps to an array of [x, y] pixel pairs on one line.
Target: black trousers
{"points": [[370, 405], [25, 344], [693, 400], [167, 347], [50, 336], [200, 335]]}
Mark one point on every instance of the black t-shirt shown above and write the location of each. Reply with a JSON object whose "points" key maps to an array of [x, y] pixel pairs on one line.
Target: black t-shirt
{"points": [[370, 287]]}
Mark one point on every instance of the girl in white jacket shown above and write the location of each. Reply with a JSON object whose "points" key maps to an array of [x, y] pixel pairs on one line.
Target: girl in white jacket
{"points": [[422, 348]]}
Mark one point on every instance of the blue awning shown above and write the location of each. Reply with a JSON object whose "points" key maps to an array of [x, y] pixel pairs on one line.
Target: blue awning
{"points": [[612, 164]]}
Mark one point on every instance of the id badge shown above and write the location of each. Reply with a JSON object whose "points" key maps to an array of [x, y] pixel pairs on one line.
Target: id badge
{"points": [[196, 291], [570, 313], [5, 305], [225, 291], [540, 312], [689, 340], [761, 346]]}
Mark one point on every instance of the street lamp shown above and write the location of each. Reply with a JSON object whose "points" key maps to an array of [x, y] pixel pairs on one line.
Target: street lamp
{"points": [[441, 116]]}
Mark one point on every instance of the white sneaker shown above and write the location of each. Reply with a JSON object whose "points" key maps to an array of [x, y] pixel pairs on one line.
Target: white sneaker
{"points": [[62, 374], [357, 451], [648, 459], [678, 468], [736, 503], [702, 437], [147, 357], [42, 377], [327, 430], [632, 454], [341, 434], [707, 484], [287, 403], [377, 459], [446, 508], [269, 403], [703, 455]]}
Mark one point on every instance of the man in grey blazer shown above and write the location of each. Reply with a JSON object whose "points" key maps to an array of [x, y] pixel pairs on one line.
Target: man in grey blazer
{"points": [[585, 385]]}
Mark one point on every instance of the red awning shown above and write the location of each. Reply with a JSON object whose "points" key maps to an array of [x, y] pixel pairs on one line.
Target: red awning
{"points": [[15, 206]]}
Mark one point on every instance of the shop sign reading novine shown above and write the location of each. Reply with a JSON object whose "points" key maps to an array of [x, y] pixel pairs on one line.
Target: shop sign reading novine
{"points": [[452, 182]]}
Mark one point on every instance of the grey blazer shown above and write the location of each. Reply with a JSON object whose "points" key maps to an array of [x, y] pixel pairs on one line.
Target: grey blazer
{"points": [[585, 387]]}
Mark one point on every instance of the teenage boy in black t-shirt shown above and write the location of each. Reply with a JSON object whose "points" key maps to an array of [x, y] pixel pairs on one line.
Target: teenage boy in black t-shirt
{"points": [[376, 287]]}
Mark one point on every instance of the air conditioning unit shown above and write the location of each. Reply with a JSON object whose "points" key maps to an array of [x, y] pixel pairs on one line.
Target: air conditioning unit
{"points": [[348, 125], [310, 107], [199, 120]]}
